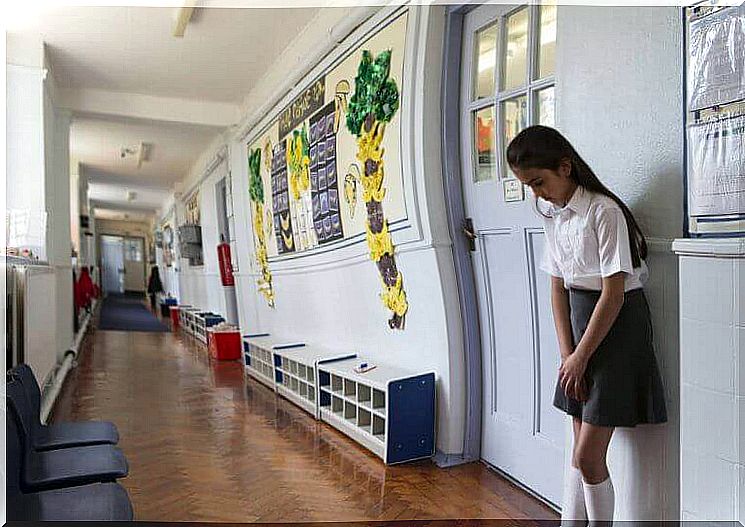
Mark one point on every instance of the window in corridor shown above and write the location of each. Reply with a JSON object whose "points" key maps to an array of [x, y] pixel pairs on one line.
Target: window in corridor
{"points": [[513, 83]]}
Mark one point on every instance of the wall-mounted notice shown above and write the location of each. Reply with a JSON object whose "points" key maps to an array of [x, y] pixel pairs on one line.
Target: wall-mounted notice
{"points": [[310, 162], [716, 157], [716, 63]]}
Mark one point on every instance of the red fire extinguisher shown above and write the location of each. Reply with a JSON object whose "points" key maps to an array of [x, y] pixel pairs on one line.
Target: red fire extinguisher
{"points": [[226, 267]]}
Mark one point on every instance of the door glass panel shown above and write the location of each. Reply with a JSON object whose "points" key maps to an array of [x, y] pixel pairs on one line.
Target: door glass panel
{"points": [[515, 58], [133, 250], [515, 112], [485, 151], [546, 107], [486, 60], [547, 39]]}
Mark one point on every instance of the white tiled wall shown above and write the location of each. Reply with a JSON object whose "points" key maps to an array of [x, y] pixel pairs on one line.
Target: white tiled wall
{"points": [[712, 375]]}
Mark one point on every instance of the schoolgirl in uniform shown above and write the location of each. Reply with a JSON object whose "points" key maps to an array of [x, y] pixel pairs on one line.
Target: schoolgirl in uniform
{"points": [[595, 255]]}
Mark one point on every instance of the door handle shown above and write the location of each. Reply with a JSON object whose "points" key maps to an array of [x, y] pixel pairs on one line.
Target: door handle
{"points": [[470, 233]]}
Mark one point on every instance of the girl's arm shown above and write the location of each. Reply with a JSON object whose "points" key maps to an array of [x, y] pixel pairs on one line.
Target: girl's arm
{"points": [[603, 316], [560, 308]]}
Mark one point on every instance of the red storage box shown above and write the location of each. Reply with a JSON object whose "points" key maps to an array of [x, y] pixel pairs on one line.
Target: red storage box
{"points": [[174, 318], [224, 345]]}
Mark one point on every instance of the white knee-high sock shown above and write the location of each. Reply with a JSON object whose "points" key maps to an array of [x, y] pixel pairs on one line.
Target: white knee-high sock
{"points": [[600, 499], [573, 511]]}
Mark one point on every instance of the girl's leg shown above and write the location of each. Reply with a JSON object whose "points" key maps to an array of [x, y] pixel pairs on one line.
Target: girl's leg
{"points": [[573, 510], [591, 455]]}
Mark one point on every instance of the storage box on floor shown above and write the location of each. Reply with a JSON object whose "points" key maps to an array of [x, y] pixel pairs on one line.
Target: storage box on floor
{"points": [[388, 410], [165, 305]]}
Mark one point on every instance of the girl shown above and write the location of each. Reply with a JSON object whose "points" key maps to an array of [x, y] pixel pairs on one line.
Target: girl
{"points": [[154, 286], [595, 255]]}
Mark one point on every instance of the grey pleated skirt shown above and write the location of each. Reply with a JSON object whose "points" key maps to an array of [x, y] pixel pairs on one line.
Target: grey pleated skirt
{"points": [[622, 377]]}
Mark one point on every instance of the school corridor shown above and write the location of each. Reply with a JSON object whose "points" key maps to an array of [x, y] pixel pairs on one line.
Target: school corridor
{"points": [[276, 262]]}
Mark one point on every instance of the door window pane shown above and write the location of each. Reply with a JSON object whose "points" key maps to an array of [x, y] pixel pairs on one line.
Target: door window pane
{"points": [[516, 50], [546, 107], [484, 134], [515, 112], [486, 59], [547, 39], [133, 250]]}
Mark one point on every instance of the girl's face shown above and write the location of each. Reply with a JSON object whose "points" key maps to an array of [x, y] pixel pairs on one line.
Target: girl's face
{"points": [[554, 186]]}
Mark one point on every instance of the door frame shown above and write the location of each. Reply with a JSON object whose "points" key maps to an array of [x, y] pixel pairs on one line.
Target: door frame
{"points": [[99, 249], [456, 215], [145, 252]]}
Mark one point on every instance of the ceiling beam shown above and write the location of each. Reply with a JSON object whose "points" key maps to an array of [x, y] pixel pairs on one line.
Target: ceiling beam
{"points": [[149, 107]]}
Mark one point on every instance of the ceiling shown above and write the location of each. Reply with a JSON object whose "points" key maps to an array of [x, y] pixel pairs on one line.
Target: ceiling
{"points": [[131, 49], [128, 81], [96, 141]]}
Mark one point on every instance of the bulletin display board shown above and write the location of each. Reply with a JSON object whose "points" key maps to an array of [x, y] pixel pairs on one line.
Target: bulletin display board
{"points": [[328, 206], [328, 168], [715, 120]]}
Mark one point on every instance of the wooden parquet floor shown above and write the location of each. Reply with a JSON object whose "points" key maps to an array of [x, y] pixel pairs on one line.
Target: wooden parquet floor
{"points": [[205, 444]]}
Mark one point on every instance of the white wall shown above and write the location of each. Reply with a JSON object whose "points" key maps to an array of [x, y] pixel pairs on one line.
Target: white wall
{"points": [[200, 286], [38, 179], [619, 101]]}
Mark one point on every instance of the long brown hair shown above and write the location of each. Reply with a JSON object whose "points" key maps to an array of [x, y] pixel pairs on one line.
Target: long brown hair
{"points": [[543, 147]]}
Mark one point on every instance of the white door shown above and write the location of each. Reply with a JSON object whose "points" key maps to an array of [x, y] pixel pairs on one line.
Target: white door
{"points": [[112, 256], [506, 84], [134, 264]]}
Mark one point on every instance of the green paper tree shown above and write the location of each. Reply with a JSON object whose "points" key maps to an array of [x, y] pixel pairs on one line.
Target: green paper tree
{"points": [[375, 94], [255, 185]]}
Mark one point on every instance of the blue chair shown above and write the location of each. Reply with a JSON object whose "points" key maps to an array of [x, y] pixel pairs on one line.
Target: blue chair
{"points": [[54, 469], [95, 502], [59, 435]]}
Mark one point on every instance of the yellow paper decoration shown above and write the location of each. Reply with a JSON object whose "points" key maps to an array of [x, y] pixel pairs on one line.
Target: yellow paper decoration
{"points": [[394, 297], [380, 243]]}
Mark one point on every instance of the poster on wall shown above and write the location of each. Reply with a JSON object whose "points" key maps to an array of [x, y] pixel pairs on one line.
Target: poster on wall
{"points": [[331, 162], [310, 165], [192, 214]]}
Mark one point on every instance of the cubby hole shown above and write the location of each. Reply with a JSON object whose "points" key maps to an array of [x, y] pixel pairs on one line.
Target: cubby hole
{"points": [[364, 395], [303, 389], [378, 427], [337, 384], [324, 400], [311, 393], [337, 406], [284, 363], [278, 361], [293, 384], [364, 420], [350, 389], [350, 412], [311, 375], [324, 379], [378, 400], [302, 371]]}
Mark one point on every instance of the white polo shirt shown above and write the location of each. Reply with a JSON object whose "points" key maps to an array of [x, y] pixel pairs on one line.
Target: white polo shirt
{"points": [[588, 240]]}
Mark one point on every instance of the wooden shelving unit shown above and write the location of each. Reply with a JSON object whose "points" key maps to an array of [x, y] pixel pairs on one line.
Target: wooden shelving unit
{"points": [[203, 320], [257, 358], [388, 410], [296, 373]]}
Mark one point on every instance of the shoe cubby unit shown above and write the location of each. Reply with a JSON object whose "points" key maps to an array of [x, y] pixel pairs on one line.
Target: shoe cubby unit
{"points": [[296, 373], [202, 321], [257, 358], [388, 410], [186, 318]]}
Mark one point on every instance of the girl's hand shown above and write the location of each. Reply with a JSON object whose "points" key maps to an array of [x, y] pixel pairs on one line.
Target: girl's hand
{"points": [[572, 376]]}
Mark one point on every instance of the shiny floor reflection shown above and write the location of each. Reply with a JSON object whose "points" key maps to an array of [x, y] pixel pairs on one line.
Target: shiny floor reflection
{"points": [[206, 444]]}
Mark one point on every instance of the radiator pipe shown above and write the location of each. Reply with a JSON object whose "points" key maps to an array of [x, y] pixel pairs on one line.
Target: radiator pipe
{"points": [[51, 391]]}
